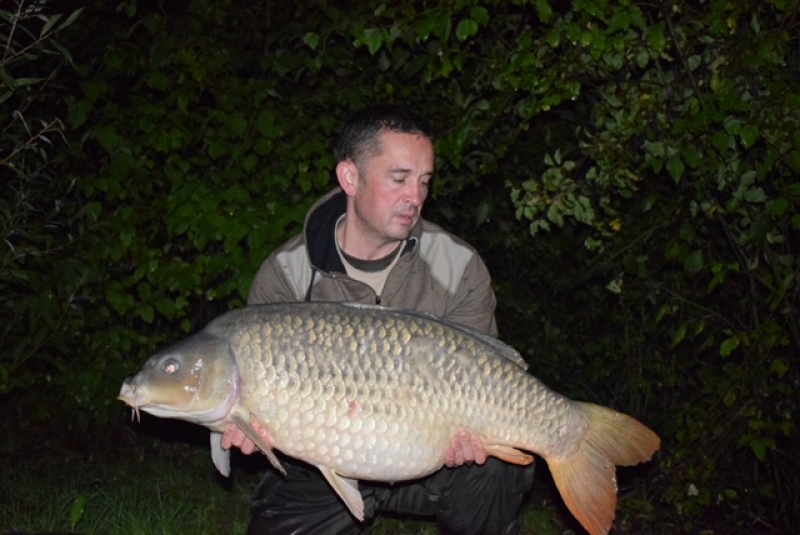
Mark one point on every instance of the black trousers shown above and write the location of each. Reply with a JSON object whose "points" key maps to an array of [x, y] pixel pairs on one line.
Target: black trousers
{"points": [[467, 500]]}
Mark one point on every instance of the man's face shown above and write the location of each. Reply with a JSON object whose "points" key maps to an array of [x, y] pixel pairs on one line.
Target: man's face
{"points": [[388, 196]]}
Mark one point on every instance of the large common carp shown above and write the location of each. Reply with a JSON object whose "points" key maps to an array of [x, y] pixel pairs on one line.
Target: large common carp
{"points": [[374, 393]]}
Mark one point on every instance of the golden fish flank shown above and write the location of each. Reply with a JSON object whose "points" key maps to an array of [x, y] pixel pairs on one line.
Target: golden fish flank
{"points": [[366, 392]]}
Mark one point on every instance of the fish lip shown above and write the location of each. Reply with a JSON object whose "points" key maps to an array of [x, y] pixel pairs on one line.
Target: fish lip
{"points": [[132, 397]]}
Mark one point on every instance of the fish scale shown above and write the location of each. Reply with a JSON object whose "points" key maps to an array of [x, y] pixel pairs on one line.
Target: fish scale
{"points": [[426, 376], [374, 393]]}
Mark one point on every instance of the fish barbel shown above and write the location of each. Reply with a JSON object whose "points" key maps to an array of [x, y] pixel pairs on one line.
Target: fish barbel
{"points": [[375, 393]]}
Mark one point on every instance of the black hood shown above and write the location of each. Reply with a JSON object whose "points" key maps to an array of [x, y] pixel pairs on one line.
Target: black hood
{"points": [[319, 231]]}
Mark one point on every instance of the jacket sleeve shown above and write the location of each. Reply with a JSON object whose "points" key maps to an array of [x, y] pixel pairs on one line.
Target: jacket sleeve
{"points": [[474, 302], [270, 285], [283, 277]]}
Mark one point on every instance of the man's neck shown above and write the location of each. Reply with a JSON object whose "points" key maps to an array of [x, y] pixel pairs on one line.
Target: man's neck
{"points": [[355, 244]]}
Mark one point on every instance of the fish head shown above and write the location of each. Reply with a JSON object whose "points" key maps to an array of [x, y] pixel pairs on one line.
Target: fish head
{"points": [[195, 380]]}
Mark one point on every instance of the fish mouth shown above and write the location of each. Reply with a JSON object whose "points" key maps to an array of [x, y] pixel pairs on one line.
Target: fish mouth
{"points": [[129, 395], [140, 398]]}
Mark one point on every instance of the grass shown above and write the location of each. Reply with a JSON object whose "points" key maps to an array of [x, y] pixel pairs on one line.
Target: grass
{"points": [[137, 485], [156, 478]]}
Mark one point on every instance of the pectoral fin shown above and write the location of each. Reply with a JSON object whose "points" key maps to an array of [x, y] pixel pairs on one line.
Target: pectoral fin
{"points": [[221, 457], [508, 454], [347, 489], [242, 418]]}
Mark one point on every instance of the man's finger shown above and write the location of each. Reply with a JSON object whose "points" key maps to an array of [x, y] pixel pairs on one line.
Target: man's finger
{"points": [[227, 435], [247, 446], [467, 454], [478, 450]]}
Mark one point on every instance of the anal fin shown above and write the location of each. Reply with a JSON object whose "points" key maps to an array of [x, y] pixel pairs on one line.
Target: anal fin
{"points": [[347, 489], [508, 454], [243, 419]]}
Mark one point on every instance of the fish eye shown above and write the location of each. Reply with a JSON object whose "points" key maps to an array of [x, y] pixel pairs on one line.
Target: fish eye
{"points": [[171, 366]]}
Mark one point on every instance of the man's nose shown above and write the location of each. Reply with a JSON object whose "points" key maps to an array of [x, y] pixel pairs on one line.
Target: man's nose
{"points": [[415, 193]]}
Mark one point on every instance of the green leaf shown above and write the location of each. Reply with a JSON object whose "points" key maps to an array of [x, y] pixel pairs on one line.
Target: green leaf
{"points": [[716, 280], [779, 367], [748, 135], [480, 14], [675, 168], [733, 125], [793, 160], [722, 141], [466, 29], [729, 399], [373, 38], [77, 510], [483, 212], [642, 58], [692, 156], [71, 19], [779, 207], [655, 37], [21, 82], [755, 195], [728, 345], [48, 25], [426, 26], [63, 51], [237, 122], [311, 39], [693, 262], [759, 448], [250, 162], [673, 250], [679, 335], [543, 10], [92, 211], [166, 307]]}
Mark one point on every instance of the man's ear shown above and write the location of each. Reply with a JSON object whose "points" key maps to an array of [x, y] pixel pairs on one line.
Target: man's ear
{"points": [[347, 174]]}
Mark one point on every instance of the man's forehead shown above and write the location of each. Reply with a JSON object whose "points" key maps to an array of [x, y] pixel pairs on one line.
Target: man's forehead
{"points": [[403, 144]]}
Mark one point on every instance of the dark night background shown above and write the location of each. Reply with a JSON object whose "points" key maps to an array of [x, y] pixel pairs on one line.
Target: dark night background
{"points": [[628, 170]]}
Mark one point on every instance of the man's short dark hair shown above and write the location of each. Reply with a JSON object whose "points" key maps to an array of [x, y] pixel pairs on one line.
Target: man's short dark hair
{"points": [[359, 139]]}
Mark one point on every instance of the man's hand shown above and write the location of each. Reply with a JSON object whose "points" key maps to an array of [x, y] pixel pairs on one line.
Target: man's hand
{"points": [[465, 448], [233, 436]]}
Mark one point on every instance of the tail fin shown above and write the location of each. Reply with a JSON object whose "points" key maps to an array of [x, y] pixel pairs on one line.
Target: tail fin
{"points": [[587, 480]]}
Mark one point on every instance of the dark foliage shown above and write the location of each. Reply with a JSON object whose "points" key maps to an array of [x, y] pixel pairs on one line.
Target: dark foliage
{"points": [[628, 170]]}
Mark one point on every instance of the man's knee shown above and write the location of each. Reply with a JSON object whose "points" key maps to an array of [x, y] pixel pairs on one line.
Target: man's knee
{"points": [[484, 499], [301, 502], [507, 477]]}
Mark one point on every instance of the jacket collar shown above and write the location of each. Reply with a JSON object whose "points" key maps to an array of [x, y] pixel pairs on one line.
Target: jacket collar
{"points": [[320, 224]]}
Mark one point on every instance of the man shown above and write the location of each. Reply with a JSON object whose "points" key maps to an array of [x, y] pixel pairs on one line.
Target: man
{"points": [[366, 242]]}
